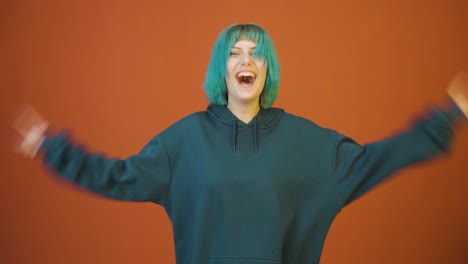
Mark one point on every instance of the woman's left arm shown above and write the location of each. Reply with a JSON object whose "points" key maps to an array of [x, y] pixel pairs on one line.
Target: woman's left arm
{"points": [[356, 168]]}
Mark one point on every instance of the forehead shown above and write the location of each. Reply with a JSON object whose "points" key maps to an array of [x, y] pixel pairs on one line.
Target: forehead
{"points": [[244, 43]]}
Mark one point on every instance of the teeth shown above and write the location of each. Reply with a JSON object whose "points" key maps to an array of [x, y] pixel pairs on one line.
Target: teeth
{"points": [[246, 74]]}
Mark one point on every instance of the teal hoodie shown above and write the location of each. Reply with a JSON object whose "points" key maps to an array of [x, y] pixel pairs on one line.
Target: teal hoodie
{"points": [[265, 192]]}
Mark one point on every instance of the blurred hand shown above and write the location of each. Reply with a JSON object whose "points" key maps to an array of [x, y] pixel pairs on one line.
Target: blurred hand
{"points": [[458, 91], [30, 128]]}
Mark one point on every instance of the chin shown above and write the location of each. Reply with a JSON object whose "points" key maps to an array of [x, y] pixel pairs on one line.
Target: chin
{"points": [[249, 99]]}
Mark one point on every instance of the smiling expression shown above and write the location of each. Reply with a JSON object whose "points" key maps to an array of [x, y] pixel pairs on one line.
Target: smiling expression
{"points": [[246, 73]]}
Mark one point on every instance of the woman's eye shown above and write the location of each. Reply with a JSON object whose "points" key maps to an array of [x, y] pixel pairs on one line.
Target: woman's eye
{"points": [[233, 53]]}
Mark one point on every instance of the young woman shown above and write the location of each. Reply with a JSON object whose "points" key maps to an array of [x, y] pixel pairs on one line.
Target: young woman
{"points": [[243, 182]]}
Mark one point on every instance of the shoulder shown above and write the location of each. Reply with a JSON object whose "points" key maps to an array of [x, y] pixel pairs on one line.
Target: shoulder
{"points": [[309, 138], [187, 126], [308, 128], [190, 117], [304, 123], [178, 132], [186, 122]]}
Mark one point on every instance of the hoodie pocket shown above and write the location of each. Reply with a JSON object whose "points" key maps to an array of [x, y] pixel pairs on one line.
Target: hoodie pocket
{"points": [[233, 260]]}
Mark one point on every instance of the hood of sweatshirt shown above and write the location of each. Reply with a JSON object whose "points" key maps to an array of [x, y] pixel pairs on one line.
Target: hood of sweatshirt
{"points": [[265, 118]]}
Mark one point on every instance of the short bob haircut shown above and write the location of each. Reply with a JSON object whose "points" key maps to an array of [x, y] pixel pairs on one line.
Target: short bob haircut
{"points": [[215, 80]]}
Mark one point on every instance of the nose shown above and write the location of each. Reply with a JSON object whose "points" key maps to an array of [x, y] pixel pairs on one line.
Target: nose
{"points": [[247, 59]]}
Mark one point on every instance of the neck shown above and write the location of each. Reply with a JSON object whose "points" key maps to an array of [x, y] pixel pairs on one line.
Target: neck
{"points": [[244, 112]]}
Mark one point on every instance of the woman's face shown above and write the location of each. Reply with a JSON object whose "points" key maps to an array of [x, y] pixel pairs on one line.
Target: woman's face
{"points": [[246, 73]]}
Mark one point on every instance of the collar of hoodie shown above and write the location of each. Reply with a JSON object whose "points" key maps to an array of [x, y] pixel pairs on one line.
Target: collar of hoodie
{"points": [[264, 119]]}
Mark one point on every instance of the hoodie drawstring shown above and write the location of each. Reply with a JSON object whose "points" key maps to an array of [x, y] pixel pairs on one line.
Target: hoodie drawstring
{"points": [[255, 134], [234, 134], [262, 122]]}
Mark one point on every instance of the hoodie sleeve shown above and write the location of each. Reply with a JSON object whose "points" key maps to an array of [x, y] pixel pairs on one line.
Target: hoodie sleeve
{"points": [[142, 177], [356, 168]]}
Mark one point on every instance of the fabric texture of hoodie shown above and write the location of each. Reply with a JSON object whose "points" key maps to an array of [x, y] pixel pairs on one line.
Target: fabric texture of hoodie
{"points": [[265, 192]]}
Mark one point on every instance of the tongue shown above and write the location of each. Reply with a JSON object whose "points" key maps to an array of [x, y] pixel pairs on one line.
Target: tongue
{"points": [[246, 79]]}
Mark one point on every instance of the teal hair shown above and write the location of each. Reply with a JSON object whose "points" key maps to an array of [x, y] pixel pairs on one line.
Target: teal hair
{"points": [[215, 82]]}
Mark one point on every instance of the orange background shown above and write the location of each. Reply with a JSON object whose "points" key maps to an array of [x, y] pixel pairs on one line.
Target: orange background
{"points": [[118, 72]]}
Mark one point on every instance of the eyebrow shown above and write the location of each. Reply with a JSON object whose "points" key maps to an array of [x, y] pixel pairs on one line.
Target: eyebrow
{"points": [[241, 48]]}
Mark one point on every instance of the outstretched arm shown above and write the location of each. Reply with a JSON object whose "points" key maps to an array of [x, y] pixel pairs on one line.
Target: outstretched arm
{"points": [[141, 177], [358, 168]]}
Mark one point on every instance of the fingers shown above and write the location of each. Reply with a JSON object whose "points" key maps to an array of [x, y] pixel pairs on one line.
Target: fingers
{"points": [[458, 91], [29, 145], [30, 129], [27, 118]]}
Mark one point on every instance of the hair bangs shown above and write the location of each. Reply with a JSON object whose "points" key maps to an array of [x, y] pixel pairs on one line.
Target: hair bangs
{"points": [[250, 32]]}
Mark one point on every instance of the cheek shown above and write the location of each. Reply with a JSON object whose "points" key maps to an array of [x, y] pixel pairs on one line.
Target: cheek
{"points": [[228, 73], [231, 64], [230, 67], [262, 67], [264, 71]]}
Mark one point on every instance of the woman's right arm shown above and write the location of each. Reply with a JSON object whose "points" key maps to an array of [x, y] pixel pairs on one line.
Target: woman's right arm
{"points": [[145, 176]]}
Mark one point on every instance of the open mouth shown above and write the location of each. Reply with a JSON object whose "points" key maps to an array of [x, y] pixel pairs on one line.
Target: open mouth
{"points": [[246, 77]]}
